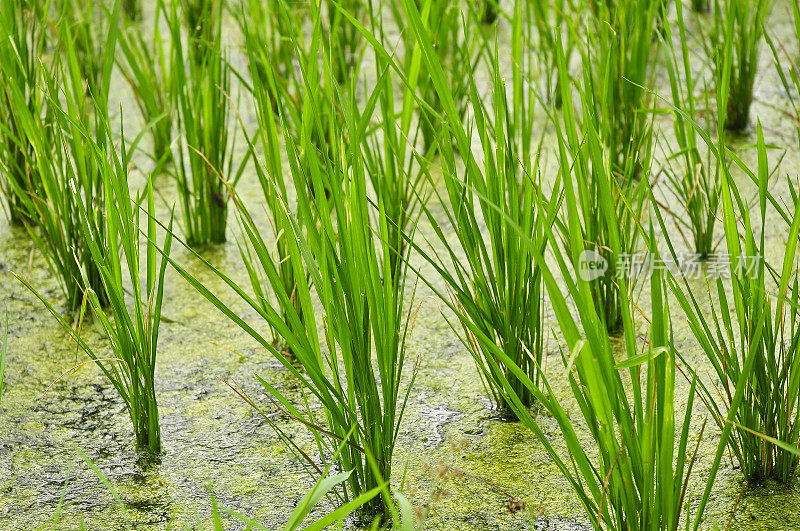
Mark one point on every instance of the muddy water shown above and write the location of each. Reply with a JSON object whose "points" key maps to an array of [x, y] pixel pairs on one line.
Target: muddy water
{"points": [[463, 463]]}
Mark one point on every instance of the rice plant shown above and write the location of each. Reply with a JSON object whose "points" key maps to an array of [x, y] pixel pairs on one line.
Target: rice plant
{"points": [[203, 155], [146, 67], [753, 335], [734, 46], [393, 165], [701, 6], [786, 68], [64, 162], [611, 206], [271, 177], [135, 311], [203, 19], [696, 180], [354, 367], [551, 20], [270, 30], [638, 480], [496, 286], [22, 40], [617, 71]]}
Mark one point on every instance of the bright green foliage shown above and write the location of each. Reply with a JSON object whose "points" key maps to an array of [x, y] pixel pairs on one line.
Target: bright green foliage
{"points": [[86, 20], [146, 66], [610, 207], [66, 166], [494, 211], [353, 366], [344, 38], [22, 40], [617, 70], [753, 335], [447, 30], [135, 310], [695, 178], [203, 156]]}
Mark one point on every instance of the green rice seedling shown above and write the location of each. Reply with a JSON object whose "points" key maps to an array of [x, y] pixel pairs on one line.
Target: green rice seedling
{"points": [[22, 40], [393, 166], [132, 325], [611, 207], [271, 177], [696, 180], [496, 286], [617, 68], [786, 68], [551, 20], [68, 171], [734, 45], [753, 335], [203, 158], [146, 66], [338, 244], [202, 19], [701, 6]]}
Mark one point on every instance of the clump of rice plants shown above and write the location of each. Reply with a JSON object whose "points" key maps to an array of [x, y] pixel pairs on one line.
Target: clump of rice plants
{"points": [[339, 249], [393, 165], [203, 154], [271, 177], [734, 45], [203, 19], [610, 206], [639, 478], [146, 67], [551, 20], [617, 70], [494, 211], [22, 40], [787, 68], [696, 180], [135, 310], [68, 171], [753, 335]]}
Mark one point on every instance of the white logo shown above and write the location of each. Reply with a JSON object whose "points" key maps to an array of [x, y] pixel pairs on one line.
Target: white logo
{"points": [[591, 265]]}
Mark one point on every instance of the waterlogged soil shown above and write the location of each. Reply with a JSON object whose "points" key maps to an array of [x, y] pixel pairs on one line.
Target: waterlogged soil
{"points": [[463, 466]]}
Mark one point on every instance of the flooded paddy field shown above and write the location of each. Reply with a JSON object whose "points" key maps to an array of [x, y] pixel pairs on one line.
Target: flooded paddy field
{"points": [[458, 460]]}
